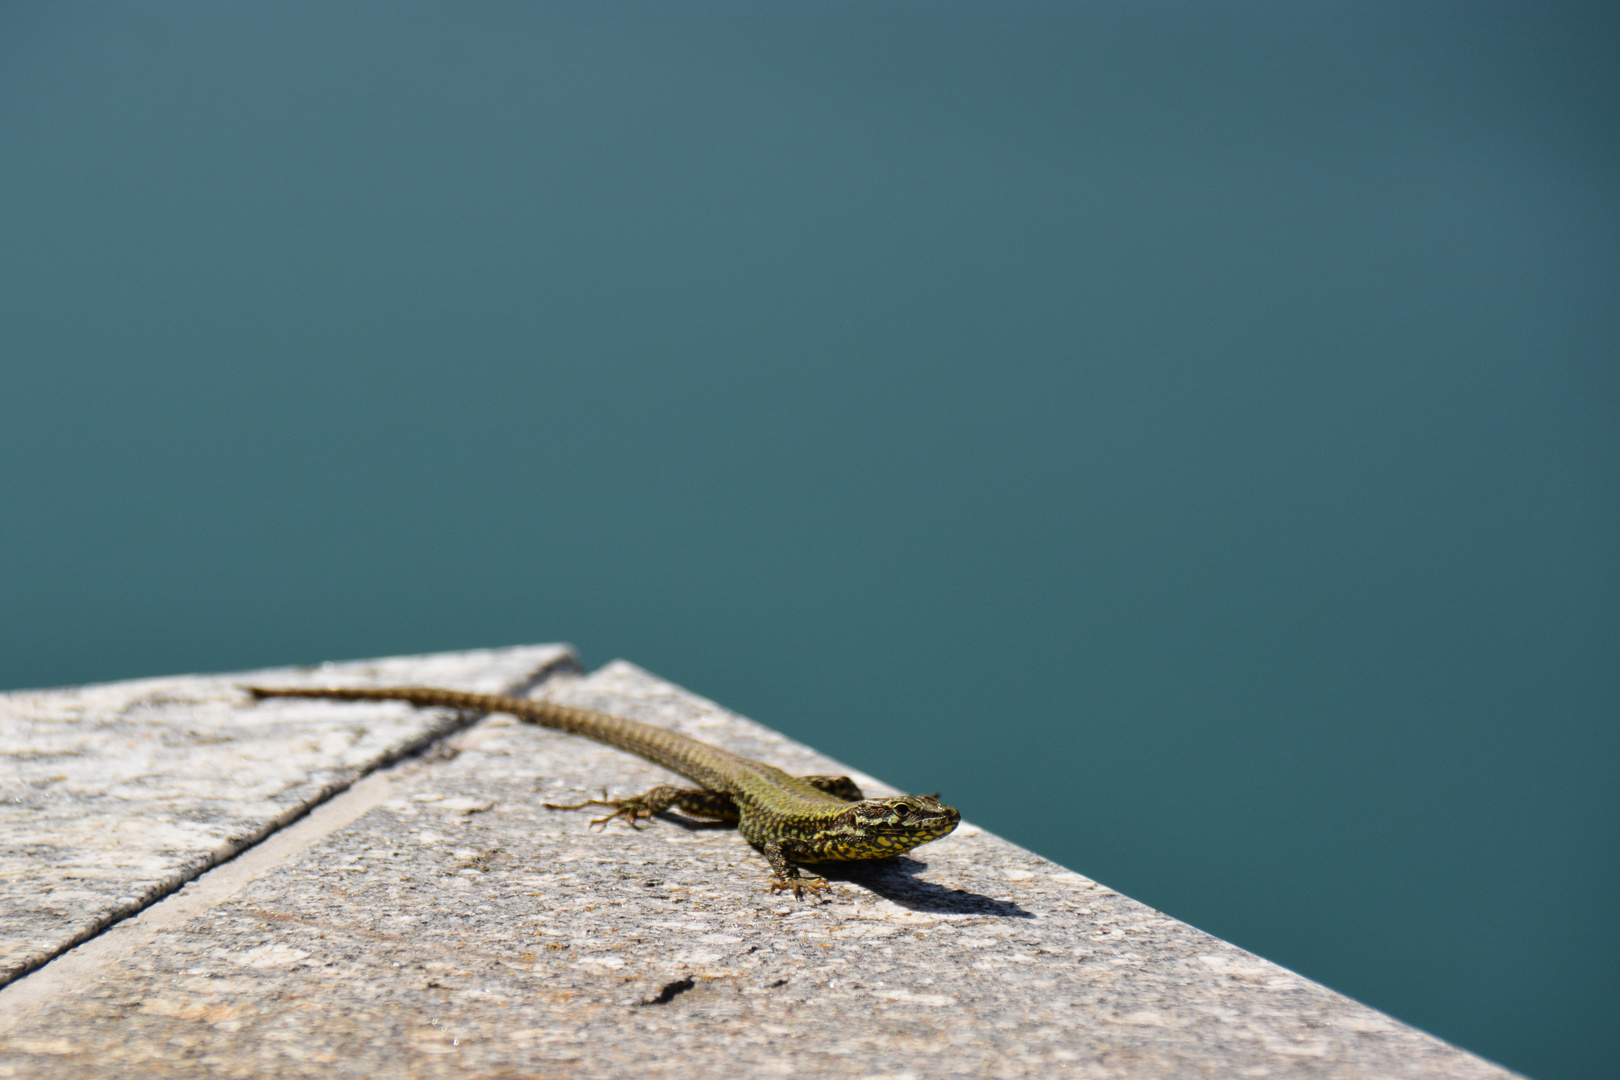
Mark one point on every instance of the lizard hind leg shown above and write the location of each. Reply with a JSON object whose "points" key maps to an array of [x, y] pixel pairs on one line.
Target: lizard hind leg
{"points": [[841, 786], [698, 802]]}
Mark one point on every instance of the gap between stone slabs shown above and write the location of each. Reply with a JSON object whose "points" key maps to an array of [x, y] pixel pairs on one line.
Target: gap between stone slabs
{"points": [[87, 961], [44, 721], [84, 963]]}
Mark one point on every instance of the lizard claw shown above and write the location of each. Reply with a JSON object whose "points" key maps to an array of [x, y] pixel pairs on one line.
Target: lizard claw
{"points": [[632, 815], [603, 801], [631, 810], [801, 885]]}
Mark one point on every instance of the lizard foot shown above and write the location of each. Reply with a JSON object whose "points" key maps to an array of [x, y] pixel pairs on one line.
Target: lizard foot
{"points": [[801, 885], [631, 810]]}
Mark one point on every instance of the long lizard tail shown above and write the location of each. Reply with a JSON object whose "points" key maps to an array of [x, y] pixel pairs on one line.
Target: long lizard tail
{"points": [[535, 712], [708, 765]]}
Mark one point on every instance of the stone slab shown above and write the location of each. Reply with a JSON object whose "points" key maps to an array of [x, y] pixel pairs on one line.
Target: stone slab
{"points": [[112, 796], [453, 927]]}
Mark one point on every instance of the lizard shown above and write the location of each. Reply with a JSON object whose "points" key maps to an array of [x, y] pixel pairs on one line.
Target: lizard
{"points": [[791, 820]]}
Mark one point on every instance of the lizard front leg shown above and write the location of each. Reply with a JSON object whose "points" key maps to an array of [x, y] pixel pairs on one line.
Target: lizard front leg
{"points": [[698, 802], [787, 876]]}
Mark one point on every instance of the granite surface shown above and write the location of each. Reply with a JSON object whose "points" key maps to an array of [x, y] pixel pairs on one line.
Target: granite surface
{"points": [[457, 928], [114, 795]]}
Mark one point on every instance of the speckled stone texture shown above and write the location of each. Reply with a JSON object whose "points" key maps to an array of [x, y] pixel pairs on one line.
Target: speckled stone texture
{"points": [[459, 929], [112, 796]]}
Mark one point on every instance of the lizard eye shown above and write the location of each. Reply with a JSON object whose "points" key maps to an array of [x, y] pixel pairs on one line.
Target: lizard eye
{"points": [[901, 812]]}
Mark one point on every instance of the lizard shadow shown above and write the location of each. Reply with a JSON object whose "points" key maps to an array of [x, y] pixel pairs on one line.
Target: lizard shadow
{"points": [[896, 879], [692, 824]]}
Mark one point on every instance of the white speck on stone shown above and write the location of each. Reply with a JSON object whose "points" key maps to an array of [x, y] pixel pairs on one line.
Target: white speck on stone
{"points": [[607, 963], [1299, 1049], [43, 1046], [1144, 1018], [463, 805], [268, 956], [906, 997]]}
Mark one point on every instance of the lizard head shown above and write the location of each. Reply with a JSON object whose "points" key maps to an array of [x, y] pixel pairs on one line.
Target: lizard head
{"points": [[879, 827]]}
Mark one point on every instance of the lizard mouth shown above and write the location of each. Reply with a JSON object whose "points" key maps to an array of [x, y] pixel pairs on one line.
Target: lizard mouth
{"points": [[932, 828]]}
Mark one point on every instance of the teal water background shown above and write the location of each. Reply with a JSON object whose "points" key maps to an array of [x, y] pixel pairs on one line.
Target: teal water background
{"points": [[1185, 435]]}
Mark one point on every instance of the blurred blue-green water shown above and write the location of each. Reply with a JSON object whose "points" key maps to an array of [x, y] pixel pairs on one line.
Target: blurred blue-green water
{"points": [[1184, 434]]}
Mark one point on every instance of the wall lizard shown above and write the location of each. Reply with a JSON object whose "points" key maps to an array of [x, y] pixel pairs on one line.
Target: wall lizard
{"points": [[792, 820]]}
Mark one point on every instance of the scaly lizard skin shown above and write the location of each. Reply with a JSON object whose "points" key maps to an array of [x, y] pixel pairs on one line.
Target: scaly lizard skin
{"points": [[790, 819]]}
